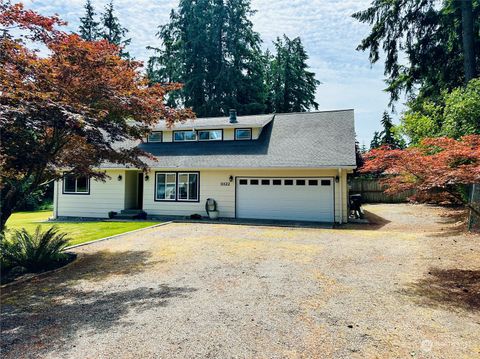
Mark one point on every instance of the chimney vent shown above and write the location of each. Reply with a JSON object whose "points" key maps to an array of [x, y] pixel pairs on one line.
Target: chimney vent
{"points": [[233, 116]]}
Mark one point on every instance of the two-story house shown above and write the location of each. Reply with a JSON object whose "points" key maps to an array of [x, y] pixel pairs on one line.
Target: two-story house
{"points": [[283, 166]]}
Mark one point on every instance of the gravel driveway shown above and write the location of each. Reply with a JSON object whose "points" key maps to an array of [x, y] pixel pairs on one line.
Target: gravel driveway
{"points": [[406, 287]]}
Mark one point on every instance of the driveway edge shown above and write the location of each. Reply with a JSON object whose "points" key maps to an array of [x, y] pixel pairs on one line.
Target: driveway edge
{"points": [[118, 235], [39, 275]]}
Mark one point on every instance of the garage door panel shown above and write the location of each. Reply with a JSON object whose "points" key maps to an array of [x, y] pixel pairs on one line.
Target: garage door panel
{"points": [[295, 202]]}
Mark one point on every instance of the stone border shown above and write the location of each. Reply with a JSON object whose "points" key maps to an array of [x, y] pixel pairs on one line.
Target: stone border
{"points": [[27, 278]]}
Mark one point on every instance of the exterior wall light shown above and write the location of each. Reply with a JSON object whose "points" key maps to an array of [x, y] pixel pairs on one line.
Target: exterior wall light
{"points": [[230, 178], [119, 177], [147, 178], [337, 179]]}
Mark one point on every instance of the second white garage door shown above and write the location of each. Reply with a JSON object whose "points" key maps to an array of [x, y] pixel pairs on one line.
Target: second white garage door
{"points": [[301, 199]]}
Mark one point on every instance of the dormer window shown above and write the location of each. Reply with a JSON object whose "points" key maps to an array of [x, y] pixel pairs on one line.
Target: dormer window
{"points": [[179, 136], [200, 135], [243, 133], [210, 135], [155, 136]]}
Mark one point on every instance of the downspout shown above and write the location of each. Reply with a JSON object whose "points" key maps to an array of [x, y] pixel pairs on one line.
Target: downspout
{"points": [[341, 194], [57, 183]]}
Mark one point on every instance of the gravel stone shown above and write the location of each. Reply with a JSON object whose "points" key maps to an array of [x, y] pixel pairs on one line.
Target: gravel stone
{"points": [[232, 291]]}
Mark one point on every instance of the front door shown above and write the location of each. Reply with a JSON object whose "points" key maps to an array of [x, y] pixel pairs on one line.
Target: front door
{"points": [[140, 191]]}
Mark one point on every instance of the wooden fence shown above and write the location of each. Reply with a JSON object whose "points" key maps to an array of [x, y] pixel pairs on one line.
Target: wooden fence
{"points": [[474, 220], [372, 191]]}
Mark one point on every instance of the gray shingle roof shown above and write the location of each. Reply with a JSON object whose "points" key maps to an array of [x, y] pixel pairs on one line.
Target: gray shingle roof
{"points": [[302, 140]]}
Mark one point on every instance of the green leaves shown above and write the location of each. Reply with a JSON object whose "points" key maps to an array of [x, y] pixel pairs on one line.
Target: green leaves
{"points": [[421, 41], [455, 114], [34, 251], [462, 111]]}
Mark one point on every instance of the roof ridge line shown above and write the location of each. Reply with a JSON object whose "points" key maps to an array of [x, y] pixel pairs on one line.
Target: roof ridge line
{"points": [[313, 112]]}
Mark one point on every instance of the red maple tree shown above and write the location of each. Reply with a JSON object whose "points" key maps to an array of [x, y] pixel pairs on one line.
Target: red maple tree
{"points": [[70, 108], [437, 165]]}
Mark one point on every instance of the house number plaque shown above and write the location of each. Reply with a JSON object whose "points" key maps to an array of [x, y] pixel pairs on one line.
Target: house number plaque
{"points": [[224, 183]]}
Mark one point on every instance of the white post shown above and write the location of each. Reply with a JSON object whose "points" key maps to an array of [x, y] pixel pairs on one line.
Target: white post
{"points": [[341, 194], [56, 186]]}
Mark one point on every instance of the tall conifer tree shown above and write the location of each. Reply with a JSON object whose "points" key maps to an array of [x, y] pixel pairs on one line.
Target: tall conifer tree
{"points": [[210, 46], [89, 29], [113, 31], [430, 46], [294, 85]]}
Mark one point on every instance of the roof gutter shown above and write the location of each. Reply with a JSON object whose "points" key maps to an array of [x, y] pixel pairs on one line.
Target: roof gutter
{"points": [[239, 168]]}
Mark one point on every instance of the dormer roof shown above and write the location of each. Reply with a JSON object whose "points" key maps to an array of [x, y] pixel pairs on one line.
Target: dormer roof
{"points": [[218, 122]]}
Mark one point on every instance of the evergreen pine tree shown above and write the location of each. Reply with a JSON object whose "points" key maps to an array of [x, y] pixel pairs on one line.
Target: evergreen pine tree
{"points": [[113, 31], [363, 149], [375, 143], [358, 155], [89, 29], [294, 86], [387, 137], [429, 46], [269, 82], [210, 47]]}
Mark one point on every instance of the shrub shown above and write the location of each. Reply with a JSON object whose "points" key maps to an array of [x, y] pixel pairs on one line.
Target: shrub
{"points": [[112, 214], [35, 251]]}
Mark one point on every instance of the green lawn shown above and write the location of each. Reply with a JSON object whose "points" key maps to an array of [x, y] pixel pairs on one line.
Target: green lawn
{"points": [[79, 232]]}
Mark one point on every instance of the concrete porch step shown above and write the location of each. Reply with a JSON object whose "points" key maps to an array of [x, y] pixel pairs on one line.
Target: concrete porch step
{"points": [[125, 216], [131, 211]]}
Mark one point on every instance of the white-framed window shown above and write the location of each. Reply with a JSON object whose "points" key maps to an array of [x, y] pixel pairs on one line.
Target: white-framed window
{"points": [[210, 135], [76, 184], [243, 133], [173, 186], [179, 136], [166, 186], [155, 136], [188, 186]]}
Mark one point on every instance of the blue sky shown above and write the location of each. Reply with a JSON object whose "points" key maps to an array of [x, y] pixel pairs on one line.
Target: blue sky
{"points": [[326, 28]]}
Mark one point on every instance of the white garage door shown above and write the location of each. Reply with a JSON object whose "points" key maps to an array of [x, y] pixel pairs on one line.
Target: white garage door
{"points": [[305, 199]]}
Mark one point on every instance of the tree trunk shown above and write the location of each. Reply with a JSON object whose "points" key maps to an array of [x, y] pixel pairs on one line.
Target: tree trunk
{"points": [[4, 216], [469, 62], [14, 195], [8, 203]]}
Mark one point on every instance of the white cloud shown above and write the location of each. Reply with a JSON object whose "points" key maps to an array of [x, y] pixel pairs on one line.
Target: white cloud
{"points": [[326, 27]]}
